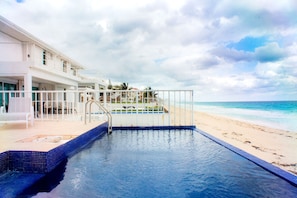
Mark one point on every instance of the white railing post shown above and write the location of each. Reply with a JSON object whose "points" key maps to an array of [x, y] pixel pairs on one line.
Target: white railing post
{"points": [[41, 106]]}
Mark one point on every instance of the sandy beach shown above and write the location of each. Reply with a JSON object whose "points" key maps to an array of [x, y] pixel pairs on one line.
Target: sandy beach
{"points": [[275, 146]]}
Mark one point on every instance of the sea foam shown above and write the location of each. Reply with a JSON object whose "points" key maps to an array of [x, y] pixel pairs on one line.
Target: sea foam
{"points": [[270, 114]]}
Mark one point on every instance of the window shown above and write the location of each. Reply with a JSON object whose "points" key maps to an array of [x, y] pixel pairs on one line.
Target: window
{"points": [[1, 95], [44, 57], [73, 71], [64, 66], [5, 97], [65, 94]]}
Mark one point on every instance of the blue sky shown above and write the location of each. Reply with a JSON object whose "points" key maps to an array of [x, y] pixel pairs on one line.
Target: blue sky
{"points": [[222, 49], [248, 44]]}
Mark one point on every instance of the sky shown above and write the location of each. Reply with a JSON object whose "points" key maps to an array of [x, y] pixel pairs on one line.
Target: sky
{"points": [[224, 50]]}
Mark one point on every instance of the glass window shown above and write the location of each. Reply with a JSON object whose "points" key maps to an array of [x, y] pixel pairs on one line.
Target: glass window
{"points": [[1, 95], [73, 71], [64, 66], [44, 57]]}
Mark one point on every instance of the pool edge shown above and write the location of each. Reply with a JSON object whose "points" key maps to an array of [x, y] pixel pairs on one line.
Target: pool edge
{"points": [[190, 127], [289, 177]]}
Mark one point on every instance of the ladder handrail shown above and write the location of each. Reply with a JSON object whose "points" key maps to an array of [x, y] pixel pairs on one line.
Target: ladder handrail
{"points": [[107, 113]]}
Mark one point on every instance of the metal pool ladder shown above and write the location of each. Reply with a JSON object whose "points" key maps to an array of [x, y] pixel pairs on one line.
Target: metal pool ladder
{"points": [[107, 113]]}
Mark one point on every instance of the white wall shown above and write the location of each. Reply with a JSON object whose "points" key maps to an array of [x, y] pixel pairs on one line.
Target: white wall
{"points": [[53, 61], [10, 48], [38, 55]]}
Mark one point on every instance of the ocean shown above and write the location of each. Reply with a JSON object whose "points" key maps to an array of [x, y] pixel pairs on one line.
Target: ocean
{"points": [[274, 114]]}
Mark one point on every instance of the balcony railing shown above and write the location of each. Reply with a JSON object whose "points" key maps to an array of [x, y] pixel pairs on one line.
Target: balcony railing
{"points": [[128, 107]]}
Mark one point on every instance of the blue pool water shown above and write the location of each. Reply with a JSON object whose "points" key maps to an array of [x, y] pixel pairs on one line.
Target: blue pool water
{"points": [[276, 114], [166, 163]]}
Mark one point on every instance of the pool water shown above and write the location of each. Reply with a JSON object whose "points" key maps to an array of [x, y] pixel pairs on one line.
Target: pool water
{"points": [[166, 163]]}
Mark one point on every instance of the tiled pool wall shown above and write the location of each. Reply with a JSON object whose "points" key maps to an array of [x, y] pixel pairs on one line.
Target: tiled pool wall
{"points": [[289, 177], [44, 162], [4, 158]]}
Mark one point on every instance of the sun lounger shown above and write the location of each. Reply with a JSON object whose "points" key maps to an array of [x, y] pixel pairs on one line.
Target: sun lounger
{"points": [[20, 110], [2, 109]]}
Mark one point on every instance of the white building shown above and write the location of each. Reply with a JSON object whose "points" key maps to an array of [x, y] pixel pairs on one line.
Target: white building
{"points": [[27, 63]]}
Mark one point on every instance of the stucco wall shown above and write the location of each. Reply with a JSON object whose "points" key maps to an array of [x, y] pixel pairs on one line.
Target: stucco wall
{"points": [[10, 48]]}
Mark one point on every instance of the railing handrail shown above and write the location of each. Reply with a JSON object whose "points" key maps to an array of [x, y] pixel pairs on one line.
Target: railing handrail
{"points": [[109, 117]]}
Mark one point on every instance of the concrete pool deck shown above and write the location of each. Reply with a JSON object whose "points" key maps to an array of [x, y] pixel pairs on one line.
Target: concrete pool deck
{"points": [[17, 137]]}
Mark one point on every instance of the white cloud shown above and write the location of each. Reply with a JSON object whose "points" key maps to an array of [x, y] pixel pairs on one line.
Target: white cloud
{"points": [[270, 52], [172, 44]]}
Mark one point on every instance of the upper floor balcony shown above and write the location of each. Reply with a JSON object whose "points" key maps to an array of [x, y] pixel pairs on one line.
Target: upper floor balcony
{"points": [[33, 56], [22, 51]]}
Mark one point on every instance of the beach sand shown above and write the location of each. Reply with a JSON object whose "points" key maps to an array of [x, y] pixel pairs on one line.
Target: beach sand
{"points": [[275, 146]]}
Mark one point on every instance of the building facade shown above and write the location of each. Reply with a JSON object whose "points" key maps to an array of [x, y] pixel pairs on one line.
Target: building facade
{"points": [[28, 64]]}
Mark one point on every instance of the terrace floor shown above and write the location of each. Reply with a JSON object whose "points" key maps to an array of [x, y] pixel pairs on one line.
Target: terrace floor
{"points": [[43, 136]]}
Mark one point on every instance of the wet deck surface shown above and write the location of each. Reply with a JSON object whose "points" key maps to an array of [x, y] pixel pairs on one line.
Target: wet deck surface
{"points": [[43, 136]]}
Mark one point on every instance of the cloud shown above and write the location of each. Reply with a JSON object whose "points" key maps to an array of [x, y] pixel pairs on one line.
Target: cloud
{"points": [[279, 78], [182, 44], [232, 54], [270, 53], [206, 61]]}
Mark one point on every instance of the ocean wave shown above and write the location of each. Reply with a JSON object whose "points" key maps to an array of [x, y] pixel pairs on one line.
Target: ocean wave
{"points": [[285, 120]]}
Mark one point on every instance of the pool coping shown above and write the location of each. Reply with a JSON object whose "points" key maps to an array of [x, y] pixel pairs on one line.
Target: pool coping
{"points": [[287, 176], [190, 127]]}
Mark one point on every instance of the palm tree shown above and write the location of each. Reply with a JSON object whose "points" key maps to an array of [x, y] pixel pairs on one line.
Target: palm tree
{"points": [[124, 86], [149, 95], [109, 85]]}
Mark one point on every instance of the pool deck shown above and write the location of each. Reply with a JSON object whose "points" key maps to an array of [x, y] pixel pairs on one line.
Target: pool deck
{"points": [[17, 137]]}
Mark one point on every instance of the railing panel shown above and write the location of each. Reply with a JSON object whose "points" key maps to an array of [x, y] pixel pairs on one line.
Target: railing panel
{"points": [[128, 107]]}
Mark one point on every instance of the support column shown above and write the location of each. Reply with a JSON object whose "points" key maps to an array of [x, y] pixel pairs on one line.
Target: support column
{"points": [[97, 92], [28, 85]]}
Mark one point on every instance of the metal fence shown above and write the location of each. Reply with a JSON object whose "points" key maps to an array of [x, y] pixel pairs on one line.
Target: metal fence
{"points": [[127, 107]]}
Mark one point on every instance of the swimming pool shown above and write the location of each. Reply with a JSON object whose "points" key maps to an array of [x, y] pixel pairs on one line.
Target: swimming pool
{"points": [[163, 163]]}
